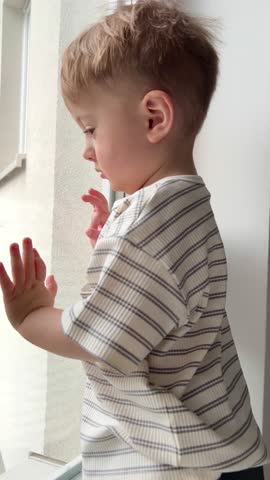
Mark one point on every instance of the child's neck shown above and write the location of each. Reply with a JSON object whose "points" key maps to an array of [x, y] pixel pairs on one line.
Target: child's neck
{"points": [[183, 164]]}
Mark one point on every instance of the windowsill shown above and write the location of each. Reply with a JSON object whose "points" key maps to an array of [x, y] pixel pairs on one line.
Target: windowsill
{"points": [[17, 163], [44, 468]]}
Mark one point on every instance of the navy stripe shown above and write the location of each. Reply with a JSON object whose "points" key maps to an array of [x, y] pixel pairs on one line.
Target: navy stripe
{"points": [[193, 248], [190, 229], [142, 291], [161, 206], [137, 267], [110, 453], [129, 307], [197, 449], [107, 341], [182, 351], [173, 219]]}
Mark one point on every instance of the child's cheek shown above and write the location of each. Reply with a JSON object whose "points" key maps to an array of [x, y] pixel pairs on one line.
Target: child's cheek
{"points": [[103, 156]]}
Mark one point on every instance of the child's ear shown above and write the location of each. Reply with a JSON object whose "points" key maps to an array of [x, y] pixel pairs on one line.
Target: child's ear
{"points": [[159, 115]]}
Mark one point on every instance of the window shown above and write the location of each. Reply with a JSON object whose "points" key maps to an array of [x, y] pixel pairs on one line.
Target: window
{"points": [[15, 16]]}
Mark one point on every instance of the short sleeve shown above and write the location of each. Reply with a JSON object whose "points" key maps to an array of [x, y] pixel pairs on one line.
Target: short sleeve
{"points": [[133, 304]]}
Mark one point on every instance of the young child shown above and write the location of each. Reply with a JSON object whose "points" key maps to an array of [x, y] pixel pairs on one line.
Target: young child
{"points": [[165, 395]]}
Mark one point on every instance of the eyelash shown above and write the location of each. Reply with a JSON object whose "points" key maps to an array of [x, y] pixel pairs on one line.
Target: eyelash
{"points": [[89, 130]]}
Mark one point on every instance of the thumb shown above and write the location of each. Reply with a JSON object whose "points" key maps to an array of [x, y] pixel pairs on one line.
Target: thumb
{"points": [[92, 233], [51, 285]]}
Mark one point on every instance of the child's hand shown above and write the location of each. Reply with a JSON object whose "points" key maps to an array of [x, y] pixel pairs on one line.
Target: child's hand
{"points": [[99, 216], [27, 292]]}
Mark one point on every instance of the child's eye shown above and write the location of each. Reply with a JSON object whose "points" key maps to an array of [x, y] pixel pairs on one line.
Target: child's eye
{"points": [[89, 130]]}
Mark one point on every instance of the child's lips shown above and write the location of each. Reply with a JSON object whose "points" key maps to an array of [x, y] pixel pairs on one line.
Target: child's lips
{"points": [[101, 173]]}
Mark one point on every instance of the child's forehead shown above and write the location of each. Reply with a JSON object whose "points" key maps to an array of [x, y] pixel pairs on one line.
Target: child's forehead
{"points": [[87, 103], [82, 108], [84, 120], [83, 117], [88, 106]]}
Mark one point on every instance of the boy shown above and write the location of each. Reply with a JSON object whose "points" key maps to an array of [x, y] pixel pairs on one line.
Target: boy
{"points": [[165, 396]]}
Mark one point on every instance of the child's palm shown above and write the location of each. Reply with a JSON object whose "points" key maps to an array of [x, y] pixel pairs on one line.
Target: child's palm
{"points": [[99, 216]]}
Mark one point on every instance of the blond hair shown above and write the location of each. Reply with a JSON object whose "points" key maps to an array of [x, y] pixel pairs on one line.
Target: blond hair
{"points": [[153, 39]]}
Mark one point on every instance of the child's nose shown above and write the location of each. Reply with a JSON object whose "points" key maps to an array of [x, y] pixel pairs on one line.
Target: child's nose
{"points": [[88, 153]]}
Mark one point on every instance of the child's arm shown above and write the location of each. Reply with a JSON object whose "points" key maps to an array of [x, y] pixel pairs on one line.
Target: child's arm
{"points": [[43, 328]]}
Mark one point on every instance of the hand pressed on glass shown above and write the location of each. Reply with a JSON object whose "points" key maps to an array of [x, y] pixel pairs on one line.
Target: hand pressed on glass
{"points": [[27, 292]]}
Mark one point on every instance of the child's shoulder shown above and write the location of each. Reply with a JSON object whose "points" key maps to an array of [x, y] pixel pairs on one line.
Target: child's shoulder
{"points": [[153, 206]]}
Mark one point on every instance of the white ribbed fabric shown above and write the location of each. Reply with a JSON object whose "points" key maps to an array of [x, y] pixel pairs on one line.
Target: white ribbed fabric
{"points": [[168, 399]]}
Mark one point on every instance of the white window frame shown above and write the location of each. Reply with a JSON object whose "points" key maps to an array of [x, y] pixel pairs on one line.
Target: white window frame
{"points": [[106, 189], [24, 78], [20, 129]]}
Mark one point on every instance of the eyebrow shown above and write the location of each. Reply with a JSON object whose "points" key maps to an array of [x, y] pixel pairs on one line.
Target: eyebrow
{"points": [[88, 115], [79, 120]]}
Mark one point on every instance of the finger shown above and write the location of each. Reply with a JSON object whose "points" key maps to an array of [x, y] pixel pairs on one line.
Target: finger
{"points": [[17, 267], [93, 234], [40, 266], [97, 193], [51, 285], [99, 217], [97, 220], [93, 240], [100, 196], [28, 261], [5, 282], [96, 202]]}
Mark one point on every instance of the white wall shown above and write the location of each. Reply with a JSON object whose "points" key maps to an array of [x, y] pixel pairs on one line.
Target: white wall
{"points": [[232, 154]]}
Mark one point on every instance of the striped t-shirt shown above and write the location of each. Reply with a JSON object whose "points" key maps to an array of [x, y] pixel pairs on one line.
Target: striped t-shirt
{"points": [[167, 398]]}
